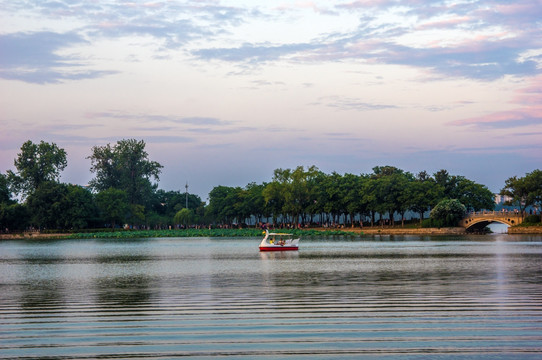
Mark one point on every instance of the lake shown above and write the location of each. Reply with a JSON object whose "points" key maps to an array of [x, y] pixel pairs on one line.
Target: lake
{"points": [[476, 297]]}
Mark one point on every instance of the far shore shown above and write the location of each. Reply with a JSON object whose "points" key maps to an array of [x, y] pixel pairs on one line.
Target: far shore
{"points": [[376, 230]]}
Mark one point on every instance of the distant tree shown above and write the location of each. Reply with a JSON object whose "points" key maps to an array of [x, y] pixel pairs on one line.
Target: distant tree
{"points": [[423, 194], [222, 204], [534, 185], [277, 194], [13, 216], [390, 184], [474, 196], [254, 199], [46, 205], [36, 164], [524, 191], [184, 216], [125, 166], [448, 212], [5, 192], [517, 190], [113, 204], [79, 208]]}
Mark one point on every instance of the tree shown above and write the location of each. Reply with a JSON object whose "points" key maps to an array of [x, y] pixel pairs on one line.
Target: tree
{"points": [[113, 204], [534, 185], [474, 196], [5, 193], [448, 212], [525, 191], [389, 187], [13, 216], [36, 164], [221, 204], [184, 216], [518, 191], [255, 201], [79, 208], [423, 194], [46, 206], [125, 166]]}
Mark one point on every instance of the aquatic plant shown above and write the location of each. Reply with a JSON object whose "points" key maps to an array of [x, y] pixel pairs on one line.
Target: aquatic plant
{"points": [[130, 234]]}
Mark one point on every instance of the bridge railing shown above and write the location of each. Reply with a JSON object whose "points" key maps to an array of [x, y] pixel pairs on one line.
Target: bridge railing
{"points": [[496, 213]]}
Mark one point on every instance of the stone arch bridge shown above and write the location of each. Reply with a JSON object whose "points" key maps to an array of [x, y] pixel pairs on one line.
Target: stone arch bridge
{"points": [[478, 220]]}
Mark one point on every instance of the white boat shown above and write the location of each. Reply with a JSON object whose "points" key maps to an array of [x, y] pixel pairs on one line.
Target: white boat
{"points": [[278, 242]]}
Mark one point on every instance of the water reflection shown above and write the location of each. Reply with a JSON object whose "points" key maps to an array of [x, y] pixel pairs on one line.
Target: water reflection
{"points": [[278, 255], [171, 298], [45, 294], [129, 292]]}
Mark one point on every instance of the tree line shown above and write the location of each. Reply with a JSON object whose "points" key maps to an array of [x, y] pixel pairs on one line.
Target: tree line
{"points": [[124, 190]]}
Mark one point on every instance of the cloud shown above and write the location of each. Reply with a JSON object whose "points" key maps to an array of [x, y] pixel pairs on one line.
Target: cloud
{"points": [[202, 121], [528, 114], [34, 58], [464, 40], [154, 118], [504, 119], [347, 104], [253, 53]]}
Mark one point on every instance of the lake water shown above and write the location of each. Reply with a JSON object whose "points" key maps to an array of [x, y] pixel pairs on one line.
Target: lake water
{"points": [[408, 297]]}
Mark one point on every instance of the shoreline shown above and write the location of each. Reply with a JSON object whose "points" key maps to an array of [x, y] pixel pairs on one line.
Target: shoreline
{"points": [[371, 231]]}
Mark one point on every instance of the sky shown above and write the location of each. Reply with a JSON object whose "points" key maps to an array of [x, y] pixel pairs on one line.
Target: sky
{"points": [[224, 92]]}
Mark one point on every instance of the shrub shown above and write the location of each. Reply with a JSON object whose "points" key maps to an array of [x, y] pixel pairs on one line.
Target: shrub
{"points": [[448, 212], [532, 219]]}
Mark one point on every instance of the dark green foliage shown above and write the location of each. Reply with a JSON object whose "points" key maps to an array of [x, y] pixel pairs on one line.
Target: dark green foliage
{"points": [[13, 217], [114, 206], [524, 191], [125, 193], [448, 212], [5, 192], [532, 219], [125, 166], [60, 206], [36, 164]]}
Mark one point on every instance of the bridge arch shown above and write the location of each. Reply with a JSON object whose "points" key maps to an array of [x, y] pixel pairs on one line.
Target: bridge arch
{"points": [[478, 221]]}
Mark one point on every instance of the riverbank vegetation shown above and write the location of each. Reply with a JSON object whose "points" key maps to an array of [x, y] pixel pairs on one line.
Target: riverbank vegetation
{"points": [[124, 193], [199, 232]]}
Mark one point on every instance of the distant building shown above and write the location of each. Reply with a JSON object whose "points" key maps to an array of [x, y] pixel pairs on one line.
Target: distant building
{"points": [[501, 199]]}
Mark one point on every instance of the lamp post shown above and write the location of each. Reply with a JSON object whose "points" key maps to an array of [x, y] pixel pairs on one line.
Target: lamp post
{"points": [[186, 197]]}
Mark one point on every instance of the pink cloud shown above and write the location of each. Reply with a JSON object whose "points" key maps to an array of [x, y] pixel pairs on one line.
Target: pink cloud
{"points": [[517, 9], [529, 114]]}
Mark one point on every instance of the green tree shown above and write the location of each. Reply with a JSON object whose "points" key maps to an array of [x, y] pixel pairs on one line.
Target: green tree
{"points": [[113, 204], [474, 196], [184, 216], [36, 164], [534, 185], [13, 216], [5, 192], [46, 206], [125, 166], [524, 191], [517, 189], [389, 187], [274, 199], [255, 201], [78, 208], [222, 204], [423, 193], [448, 212]]}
